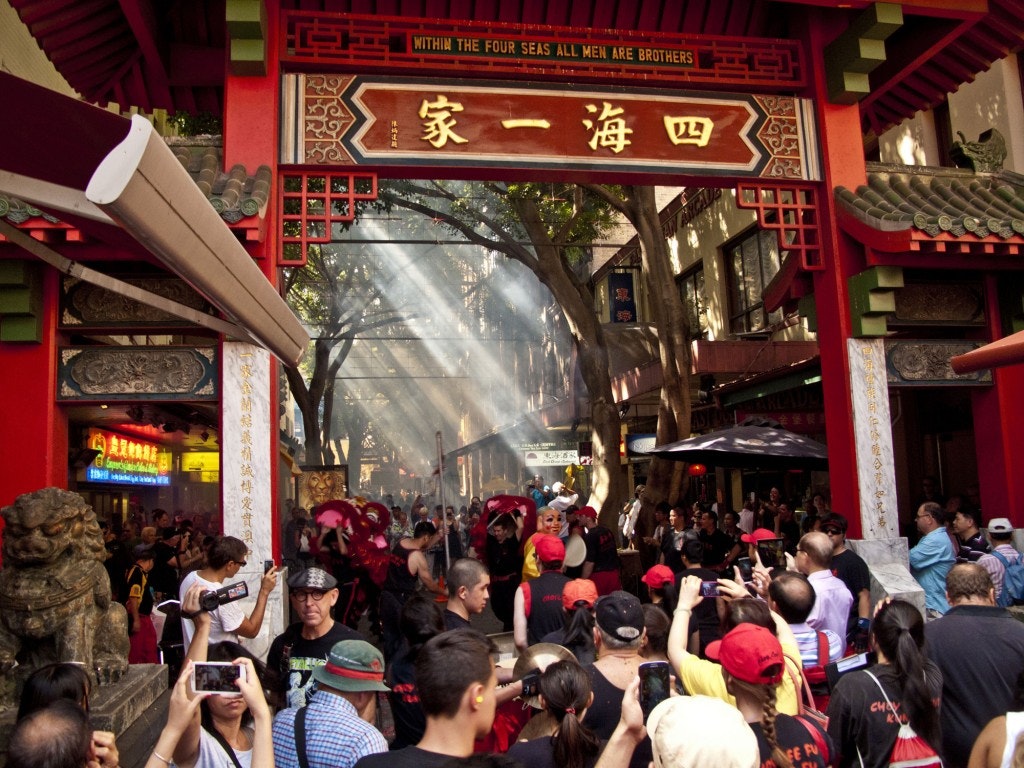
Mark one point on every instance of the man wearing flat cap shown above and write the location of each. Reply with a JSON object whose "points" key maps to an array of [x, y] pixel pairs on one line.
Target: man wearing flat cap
{"points": [[334, 730], [305, 645]]}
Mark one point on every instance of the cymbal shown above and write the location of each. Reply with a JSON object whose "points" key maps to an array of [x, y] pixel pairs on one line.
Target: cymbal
{"points": [[539, 656]]}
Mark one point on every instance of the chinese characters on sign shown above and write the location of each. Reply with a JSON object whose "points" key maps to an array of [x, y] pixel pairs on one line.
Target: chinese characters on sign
{"points": [[609, 129], [371, 120], [622, 302], [246, 447], [873, 436]]}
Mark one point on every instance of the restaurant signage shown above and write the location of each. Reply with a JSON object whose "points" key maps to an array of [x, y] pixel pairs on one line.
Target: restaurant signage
{"points": [[127, 460]]}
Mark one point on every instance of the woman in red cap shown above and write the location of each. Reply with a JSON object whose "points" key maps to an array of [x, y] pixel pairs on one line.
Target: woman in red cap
{"points": [[753, 665], [661, 586], [578, 598]]}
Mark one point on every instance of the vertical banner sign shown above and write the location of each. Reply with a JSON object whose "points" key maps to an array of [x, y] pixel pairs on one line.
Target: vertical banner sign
{"points": [[245, 468], [622, 300], [876, 476]]}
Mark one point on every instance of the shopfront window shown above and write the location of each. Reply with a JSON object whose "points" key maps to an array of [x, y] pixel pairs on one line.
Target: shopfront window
{"points": [[752, 261], [691, 288]]}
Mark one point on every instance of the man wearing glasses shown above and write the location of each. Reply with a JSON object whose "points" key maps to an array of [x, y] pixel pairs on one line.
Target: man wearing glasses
{"points": [[932, 558], [305, 645], [850, 568]]}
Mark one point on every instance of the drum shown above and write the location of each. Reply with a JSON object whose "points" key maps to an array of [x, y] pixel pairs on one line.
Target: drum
{"points": [[575, 551]]}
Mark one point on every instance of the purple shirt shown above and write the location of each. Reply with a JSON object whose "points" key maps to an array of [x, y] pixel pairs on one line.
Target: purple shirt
{"points": [[832, 601]]}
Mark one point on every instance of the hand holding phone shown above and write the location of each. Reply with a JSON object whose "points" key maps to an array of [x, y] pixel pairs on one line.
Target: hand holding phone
{"points": [[709, 589], [746, 568], [655, 685], [217, 677], [772, 552], [268, 566]]}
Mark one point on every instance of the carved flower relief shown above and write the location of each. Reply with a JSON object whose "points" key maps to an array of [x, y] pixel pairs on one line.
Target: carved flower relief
{"points": [[136, 371]]}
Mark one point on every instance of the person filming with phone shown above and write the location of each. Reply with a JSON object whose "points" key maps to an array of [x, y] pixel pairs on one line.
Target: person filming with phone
{"points": [[224, 559], [232, 725]]}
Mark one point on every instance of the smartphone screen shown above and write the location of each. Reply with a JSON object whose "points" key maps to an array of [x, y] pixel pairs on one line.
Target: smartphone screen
{"points": [[268, 566], [216, 677], [746, 568], [655, 685], [709, 589], [772, 552]]}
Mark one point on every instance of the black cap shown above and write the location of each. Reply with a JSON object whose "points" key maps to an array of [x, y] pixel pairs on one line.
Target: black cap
{"points": [[620, 615]]}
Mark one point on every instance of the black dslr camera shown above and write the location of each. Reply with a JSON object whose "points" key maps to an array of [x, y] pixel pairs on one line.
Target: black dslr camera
{"points": [[211, 601]]}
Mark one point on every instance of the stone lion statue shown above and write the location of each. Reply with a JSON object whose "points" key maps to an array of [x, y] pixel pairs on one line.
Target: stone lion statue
{"points": [[55, 602]]}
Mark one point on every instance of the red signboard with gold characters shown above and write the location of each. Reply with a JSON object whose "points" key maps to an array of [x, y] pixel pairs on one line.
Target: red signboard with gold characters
{"points": [[370, 121]]}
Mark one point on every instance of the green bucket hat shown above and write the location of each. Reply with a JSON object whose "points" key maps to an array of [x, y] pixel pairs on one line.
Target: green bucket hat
{"points": [[354, 665]]}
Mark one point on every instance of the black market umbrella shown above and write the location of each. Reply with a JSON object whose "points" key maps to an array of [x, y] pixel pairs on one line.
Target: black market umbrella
{"points": [[748, 448]]}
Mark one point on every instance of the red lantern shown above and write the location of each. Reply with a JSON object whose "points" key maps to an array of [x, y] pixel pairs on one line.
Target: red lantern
{"points": [[697, 470]]}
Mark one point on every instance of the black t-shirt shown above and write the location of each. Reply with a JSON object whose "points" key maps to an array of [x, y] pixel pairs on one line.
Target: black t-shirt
{"points": [[540, 753], [404, 697], [452, 620], [790, 531], [603, 715], [545, 614], [717, 545], [503, 557], [796, 741], [672, 548], [601, 549], [163, 578], [850, 568], [409, 757], [292, 659], [980, 651], [860, 719], [704, 617]]}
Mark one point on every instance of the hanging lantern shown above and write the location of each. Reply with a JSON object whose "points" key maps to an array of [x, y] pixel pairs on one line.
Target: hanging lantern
{"points": [[697, 470]]}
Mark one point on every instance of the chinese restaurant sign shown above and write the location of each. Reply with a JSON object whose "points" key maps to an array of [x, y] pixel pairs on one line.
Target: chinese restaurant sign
{"points": [[365, 120], [127, 460]]}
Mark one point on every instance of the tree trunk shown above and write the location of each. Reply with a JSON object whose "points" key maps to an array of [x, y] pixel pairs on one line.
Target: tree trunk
{"points": [[608, 491], [674, 406]]}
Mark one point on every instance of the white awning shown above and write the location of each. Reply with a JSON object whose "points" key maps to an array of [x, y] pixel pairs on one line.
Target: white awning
{"points": [[84, 164]]}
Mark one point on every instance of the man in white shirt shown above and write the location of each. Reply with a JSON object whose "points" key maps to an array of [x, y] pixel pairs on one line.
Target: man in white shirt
{"points": [[832, 599]]}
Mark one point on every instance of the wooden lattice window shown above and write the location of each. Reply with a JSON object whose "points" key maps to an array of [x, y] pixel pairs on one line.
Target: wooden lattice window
{"points": [[312, 203]]}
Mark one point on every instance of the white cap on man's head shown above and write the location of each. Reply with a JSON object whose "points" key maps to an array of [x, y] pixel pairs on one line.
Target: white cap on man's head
{"points": [[1000, 525], [556, 487]]}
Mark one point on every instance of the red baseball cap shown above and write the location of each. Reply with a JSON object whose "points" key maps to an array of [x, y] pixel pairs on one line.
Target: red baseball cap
{"points": [[759, 534], [587, 512], [576, 590], [750, 653], [549, 548], [658, 576]]}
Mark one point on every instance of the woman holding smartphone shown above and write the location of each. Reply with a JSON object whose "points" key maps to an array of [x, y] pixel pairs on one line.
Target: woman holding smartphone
{"points": [[227, 729]]}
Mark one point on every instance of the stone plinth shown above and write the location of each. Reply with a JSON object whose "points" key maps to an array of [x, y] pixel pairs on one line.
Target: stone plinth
{"points": [[889, 563], [134, 708]]}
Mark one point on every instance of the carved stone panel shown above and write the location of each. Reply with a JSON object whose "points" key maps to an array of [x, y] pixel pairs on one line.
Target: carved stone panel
{"points": [[959, 304], [88, 305], [920, 363], [137, 373]]}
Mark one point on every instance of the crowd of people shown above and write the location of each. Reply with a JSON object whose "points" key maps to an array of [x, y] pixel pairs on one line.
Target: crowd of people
{"points": [[752, 648]]}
